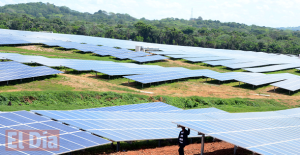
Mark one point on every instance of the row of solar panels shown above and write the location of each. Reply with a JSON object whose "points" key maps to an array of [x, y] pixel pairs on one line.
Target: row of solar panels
{"points": [[100, 50], [237, 63], [234, 58], [70, 138], [255, 131], [115, 123], [283, 80], [14, 71], [151, 74]]}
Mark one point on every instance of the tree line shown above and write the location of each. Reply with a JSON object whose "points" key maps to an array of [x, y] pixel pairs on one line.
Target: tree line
{"points": [[193, 32]]}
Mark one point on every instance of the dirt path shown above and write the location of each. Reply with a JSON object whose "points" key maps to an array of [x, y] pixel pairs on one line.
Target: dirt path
{"points": [[214, 148]]}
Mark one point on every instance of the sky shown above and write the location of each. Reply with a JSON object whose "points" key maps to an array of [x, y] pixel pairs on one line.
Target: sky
{"points": [[270, 13]]}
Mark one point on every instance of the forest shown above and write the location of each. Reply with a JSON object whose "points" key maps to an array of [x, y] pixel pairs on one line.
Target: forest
{"points": [[193, 32]]}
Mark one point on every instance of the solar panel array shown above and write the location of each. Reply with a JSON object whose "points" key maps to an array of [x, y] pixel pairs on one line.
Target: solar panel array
{"points": [[141, 73], [105, 51], [11, 70], [10, 41], [149, 58], [234, 59], [256, 131], [70, 138], [148, 121], [73, 41], [290, 84], [272, 68]]}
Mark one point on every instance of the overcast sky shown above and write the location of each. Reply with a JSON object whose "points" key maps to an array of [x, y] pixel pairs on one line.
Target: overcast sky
{"points": [[271, 13]]}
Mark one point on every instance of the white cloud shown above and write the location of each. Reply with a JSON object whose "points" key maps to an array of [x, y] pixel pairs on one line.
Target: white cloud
{"points": [[273, 13]]}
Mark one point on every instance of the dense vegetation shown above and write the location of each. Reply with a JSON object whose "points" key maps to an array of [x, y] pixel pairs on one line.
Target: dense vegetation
{"points": [[69, 100], [194, 32], [290, 28]]}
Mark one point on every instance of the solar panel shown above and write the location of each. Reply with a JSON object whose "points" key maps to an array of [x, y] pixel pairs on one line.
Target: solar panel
{"points": [[256, 131], [130, 55], [20, 71], [149, 58], [124, 123], [137, 107], [230, 76], [249, 64], [289, 84], [260, 79], [70, 138], [207, 59], [226, 62], [156, 77], [272, 68]]}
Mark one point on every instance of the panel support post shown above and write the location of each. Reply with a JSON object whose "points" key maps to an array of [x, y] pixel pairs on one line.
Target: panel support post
{"points": [[191, 141], [235, 148], [202, 144], [128, 82], [159, 143], [274, 88], [118, 146], [289, 92], [96, 74], [239, 84], [253, 86], [7, 82]]}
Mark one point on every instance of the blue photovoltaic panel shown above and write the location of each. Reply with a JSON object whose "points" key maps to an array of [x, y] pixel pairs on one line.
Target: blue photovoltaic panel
{"points": [[248, 64], [130, 55], [272, 68], [199, 111], [136, 107], [23, 71], [207, 59], [289, 84], [156, 77], [261, 80], [149, 58], [131, 122], [226, 62], [254, 131], [70, 138]]}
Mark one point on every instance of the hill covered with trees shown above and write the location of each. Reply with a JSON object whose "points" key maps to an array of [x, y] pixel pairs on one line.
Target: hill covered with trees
{"points": [[290, 28], [193, 32]]}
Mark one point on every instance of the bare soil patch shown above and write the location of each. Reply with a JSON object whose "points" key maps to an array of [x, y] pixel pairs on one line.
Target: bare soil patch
{"points": [[42, 49], [88, 82], [213, 148]]}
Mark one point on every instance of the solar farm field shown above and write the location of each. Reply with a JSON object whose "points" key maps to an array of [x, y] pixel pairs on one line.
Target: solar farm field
{"points": [[126, 101]]}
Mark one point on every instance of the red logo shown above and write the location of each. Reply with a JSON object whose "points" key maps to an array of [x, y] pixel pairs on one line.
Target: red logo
{"points": [[32, 140]]}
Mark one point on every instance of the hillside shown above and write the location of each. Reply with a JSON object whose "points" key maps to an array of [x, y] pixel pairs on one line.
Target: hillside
{"points": [[290, 28], [195, 32]]}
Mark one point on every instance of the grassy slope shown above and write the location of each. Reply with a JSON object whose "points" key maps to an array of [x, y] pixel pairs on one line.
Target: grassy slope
{"points": [[70, 100]]}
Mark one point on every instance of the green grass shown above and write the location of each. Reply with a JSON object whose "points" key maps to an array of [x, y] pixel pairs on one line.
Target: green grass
{"points": [[46, 83], [70, 100]]}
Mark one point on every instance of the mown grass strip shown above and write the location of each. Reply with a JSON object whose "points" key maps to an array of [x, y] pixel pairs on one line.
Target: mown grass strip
{"points": [[70, 100]]}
